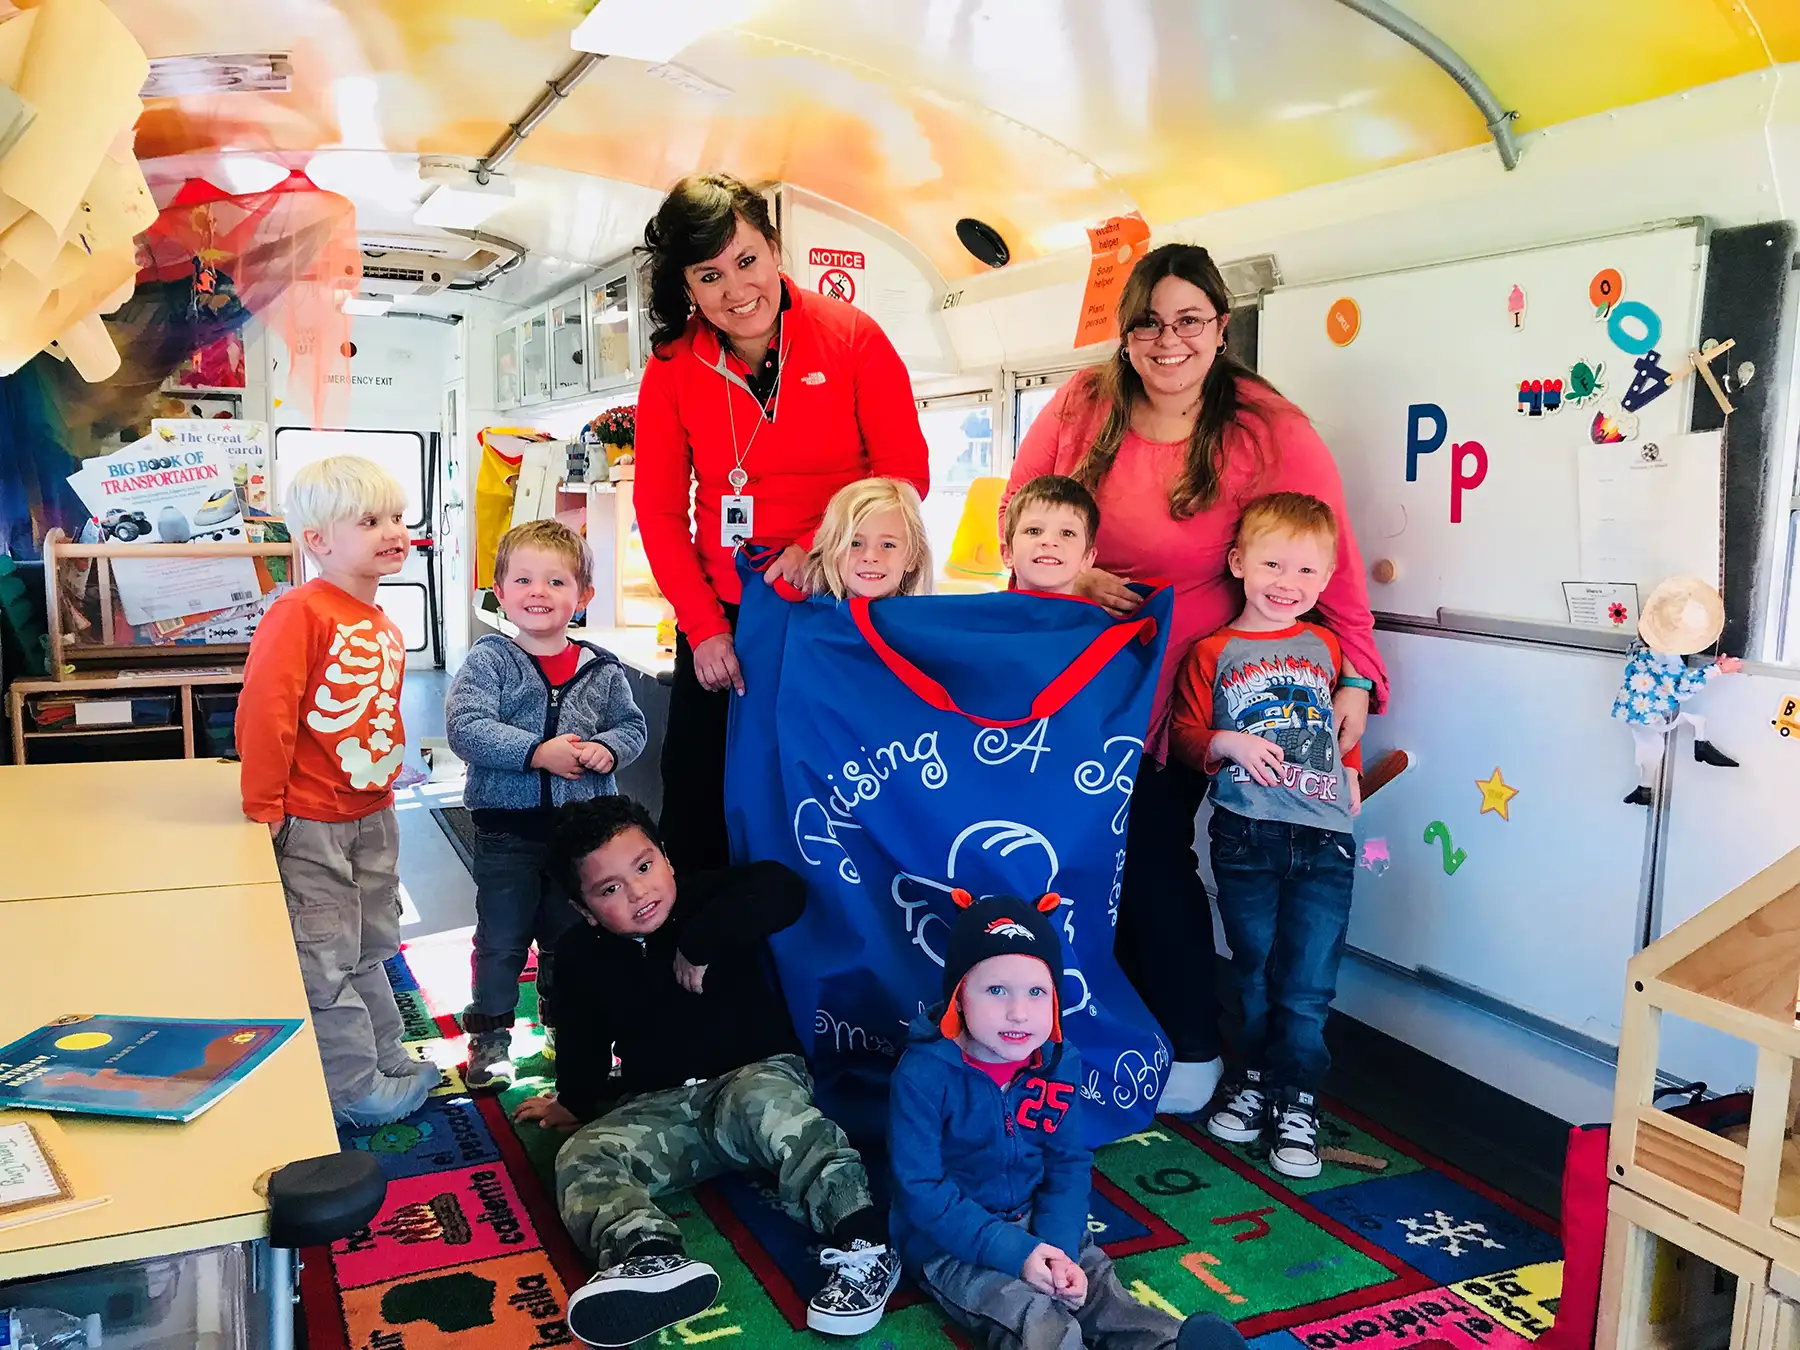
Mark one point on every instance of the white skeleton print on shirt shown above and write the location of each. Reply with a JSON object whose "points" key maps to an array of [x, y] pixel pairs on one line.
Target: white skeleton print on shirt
{"points": [[366, 670]]}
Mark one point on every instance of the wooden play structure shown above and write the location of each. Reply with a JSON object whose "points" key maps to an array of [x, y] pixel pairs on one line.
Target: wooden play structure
{"points": [[1731, 1200]]}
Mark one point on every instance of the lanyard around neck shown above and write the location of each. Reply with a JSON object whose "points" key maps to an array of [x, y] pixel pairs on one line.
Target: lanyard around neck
{"points": [[737, 477]]}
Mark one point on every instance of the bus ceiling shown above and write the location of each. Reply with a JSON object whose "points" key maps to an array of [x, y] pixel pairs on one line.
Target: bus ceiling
{"points": [[1040, 118]]}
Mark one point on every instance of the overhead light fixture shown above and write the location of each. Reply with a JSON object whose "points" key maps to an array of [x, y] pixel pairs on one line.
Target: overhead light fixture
{"points": [[654, 31], [459, 201], [223, 73], [368, 306]]}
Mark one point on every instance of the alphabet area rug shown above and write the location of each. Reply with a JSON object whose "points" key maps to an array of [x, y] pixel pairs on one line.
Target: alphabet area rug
{"points": [[468, 1251]]}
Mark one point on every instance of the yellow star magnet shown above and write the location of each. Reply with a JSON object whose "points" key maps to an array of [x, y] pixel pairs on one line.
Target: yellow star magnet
{"points": [[1495, 794]]}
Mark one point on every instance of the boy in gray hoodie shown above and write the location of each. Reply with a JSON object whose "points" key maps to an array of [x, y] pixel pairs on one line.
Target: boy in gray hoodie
{"points": [[540, 721]]}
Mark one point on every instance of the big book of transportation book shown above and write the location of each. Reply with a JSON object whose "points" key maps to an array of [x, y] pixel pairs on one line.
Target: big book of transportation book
{"points": [[143, 1068], [42, 1175]]}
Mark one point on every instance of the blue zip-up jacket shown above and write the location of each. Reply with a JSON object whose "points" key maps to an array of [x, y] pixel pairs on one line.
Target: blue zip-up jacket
{"points": [[502, 707], [972, 1164]]}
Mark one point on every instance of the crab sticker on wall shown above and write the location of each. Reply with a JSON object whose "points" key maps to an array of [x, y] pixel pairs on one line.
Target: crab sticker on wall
{"points": [[1587, 381]]}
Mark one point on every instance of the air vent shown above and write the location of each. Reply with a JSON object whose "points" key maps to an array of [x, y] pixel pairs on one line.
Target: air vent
{"points": [[233, 73], [416, 275], [419, 265]]}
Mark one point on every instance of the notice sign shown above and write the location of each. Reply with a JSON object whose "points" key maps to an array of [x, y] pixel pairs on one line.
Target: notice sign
{"points": [[835, 272], [1117, 244]]}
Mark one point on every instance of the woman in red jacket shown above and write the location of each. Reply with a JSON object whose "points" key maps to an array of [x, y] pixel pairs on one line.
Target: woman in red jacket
{"points": [[762, 400], [1173, 437]]}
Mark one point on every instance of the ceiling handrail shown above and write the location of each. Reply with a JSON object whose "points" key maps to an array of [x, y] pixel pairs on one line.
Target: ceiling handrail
{"points": [[1499, 118]]}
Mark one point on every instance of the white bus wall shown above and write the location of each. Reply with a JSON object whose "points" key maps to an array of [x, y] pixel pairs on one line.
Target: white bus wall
{"points": [[1729, 152], [896, 285]]}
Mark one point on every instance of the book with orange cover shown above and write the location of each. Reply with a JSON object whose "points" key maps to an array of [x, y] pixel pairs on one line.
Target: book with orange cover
{"points": [[42, 1174]]}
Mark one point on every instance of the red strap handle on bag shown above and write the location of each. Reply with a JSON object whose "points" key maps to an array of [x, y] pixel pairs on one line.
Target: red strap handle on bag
{"points": [[1050, 700]]}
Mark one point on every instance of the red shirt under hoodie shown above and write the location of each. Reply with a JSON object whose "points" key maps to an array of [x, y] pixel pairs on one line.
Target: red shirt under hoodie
{"points": [[843, 411]]}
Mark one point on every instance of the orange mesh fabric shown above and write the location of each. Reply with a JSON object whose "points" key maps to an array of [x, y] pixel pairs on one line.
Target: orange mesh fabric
{"points": [[289, 256]]}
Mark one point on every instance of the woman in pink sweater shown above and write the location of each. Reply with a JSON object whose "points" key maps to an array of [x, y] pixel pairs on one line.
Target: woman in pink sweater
{"points": [[1173, 437]]}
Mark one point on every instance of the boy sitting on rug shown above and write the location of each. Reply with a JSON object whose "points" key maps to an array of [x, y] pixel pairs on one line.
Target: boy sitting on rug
{"points": [[991, 1208], [539, 720], [711, 1080]]}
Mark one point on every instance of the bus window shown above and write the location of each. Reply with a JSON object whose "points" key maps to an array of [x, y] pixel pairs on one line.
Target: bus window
{"points": [[960, 434], [1031, 402]]}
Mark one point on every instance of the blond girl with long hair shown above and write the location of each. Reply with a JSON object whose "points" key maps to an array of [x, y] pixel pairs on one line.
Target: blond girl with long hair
{"points": [[871, 543]]}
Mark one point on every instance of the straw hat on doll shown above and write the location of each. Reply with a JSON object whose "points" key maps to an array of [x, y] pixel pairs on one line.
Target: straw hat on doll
{"points": [[1682, 616]]}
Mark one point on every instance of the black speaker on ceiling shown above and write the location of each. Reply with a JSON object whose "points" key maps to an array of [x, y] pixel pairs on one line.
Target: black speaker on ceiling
{"points": [[984, 241]]}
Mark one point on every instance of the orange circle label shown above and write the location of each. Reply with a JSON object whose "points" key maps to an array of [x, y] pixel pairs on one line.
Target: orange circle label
{"points": [[1343, 321]]}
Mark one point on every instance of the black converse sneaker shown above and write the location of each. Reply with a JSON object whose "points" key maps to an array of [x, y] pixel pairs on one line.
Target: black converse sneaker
{"points": [[856, 1295], [1294, 1145], [639, 1297], [1246, 1110]]}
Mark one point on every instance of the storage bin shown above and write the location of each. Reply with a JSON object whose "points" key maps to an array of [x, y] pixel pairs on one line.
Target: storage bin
{"points": [[216, 1299]]}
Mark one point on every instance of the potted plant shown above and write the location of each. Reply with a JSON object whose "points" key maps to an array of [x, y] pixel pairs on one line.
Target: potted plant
{"points": [[616, 429]]}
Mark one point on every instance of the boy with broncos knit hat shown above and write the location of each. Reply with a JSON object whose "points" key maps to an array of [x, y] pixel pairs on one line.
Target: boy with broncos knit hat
{"points": [[990, 1207]]}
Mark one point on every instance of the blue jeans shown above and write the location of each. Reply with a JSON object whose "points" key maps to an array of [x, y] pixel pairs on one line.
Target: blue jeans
{"points": [[1284, 900], [517, 902]]}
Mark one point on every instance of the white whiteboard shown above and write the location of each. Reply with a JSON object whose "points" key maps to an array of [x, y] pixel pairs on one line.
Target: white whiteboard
{"points": [[1444, 336], [1542, 912]]}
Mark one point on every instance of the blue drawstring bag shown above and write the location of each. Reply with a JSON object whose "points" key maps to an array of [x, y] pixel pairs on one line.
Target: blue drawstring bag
{"points": [[891, 751]]}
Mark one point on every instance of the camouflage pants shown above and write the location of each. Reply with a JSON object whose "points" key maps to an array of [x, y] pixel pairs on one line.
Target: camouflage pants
{"points": [[760, 1116]]}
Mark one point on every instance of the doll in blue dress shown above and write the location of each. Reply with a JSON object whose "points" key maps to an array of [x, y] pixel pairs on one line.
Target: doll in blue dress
{"points": [[1682, 616]]}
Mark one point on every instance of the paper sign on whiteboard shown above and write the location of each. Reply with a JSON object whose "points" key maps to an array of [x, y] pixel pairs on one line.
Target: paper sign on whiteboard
{"points": [[1612, 605], [1650, 509]]}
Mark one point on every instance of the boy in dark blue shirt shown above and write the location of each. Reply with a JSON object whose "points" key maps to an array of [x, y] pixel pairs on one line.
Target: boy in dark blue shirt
{"points": [[991, 1206]]}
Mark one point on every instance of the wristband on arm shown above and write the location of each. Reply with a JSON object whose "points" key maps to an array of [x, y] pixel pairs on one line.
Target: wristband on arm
{"points": [[1356, 682]]}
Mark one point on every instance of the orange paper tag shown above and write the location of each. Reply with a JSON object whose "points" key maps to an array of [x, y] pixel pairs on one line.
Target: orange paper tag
{"points": [[1117, 245]]}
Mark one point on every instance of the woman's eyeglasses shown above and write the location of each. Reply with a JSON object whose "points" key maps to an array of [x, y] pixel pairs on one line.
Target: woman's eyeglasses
{"points": [[1187, 327]]}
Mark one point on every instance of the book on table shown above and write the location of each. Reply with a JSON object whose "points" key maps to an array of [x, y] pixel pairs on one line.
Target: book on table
{"points": [[142, 1068], [42, 1174]]}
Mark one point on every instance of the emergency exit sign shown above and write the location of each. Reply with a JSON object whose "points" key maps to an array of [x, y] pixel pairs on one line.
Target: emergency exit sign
{"points": [[835, 257]]}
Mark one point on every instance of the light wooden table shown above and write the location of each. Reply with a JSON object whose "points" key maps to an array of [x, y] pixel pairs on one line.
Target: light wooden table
{"points": [[223, 951], [131, 825]]}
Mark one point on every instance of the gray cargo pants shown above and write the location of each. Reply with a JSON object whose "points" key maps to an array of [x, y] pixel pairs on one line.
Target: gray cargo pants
{"points": [[1002, 1312], [342, 881]]}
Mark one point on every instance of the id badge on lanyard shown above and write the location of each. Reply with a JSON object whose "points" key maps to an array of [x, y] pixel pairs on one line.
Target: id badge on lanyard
{"points": [[737, 520]]}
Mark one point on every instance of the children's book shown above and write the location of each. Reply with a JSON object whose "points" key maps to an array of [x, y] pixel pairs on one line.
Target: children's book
{"points": [[42, 1175], [145, 1068]]}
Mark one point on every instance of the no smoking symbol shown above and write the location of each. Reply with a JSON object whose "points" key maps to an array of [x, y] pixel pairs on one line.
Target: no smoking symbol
{"points": [[837, 283]]}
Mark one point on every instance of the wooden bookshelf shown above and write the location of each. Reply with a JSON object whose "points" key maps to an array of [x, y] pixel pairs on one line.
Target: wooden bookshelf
{"points": [[106, 663]]}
